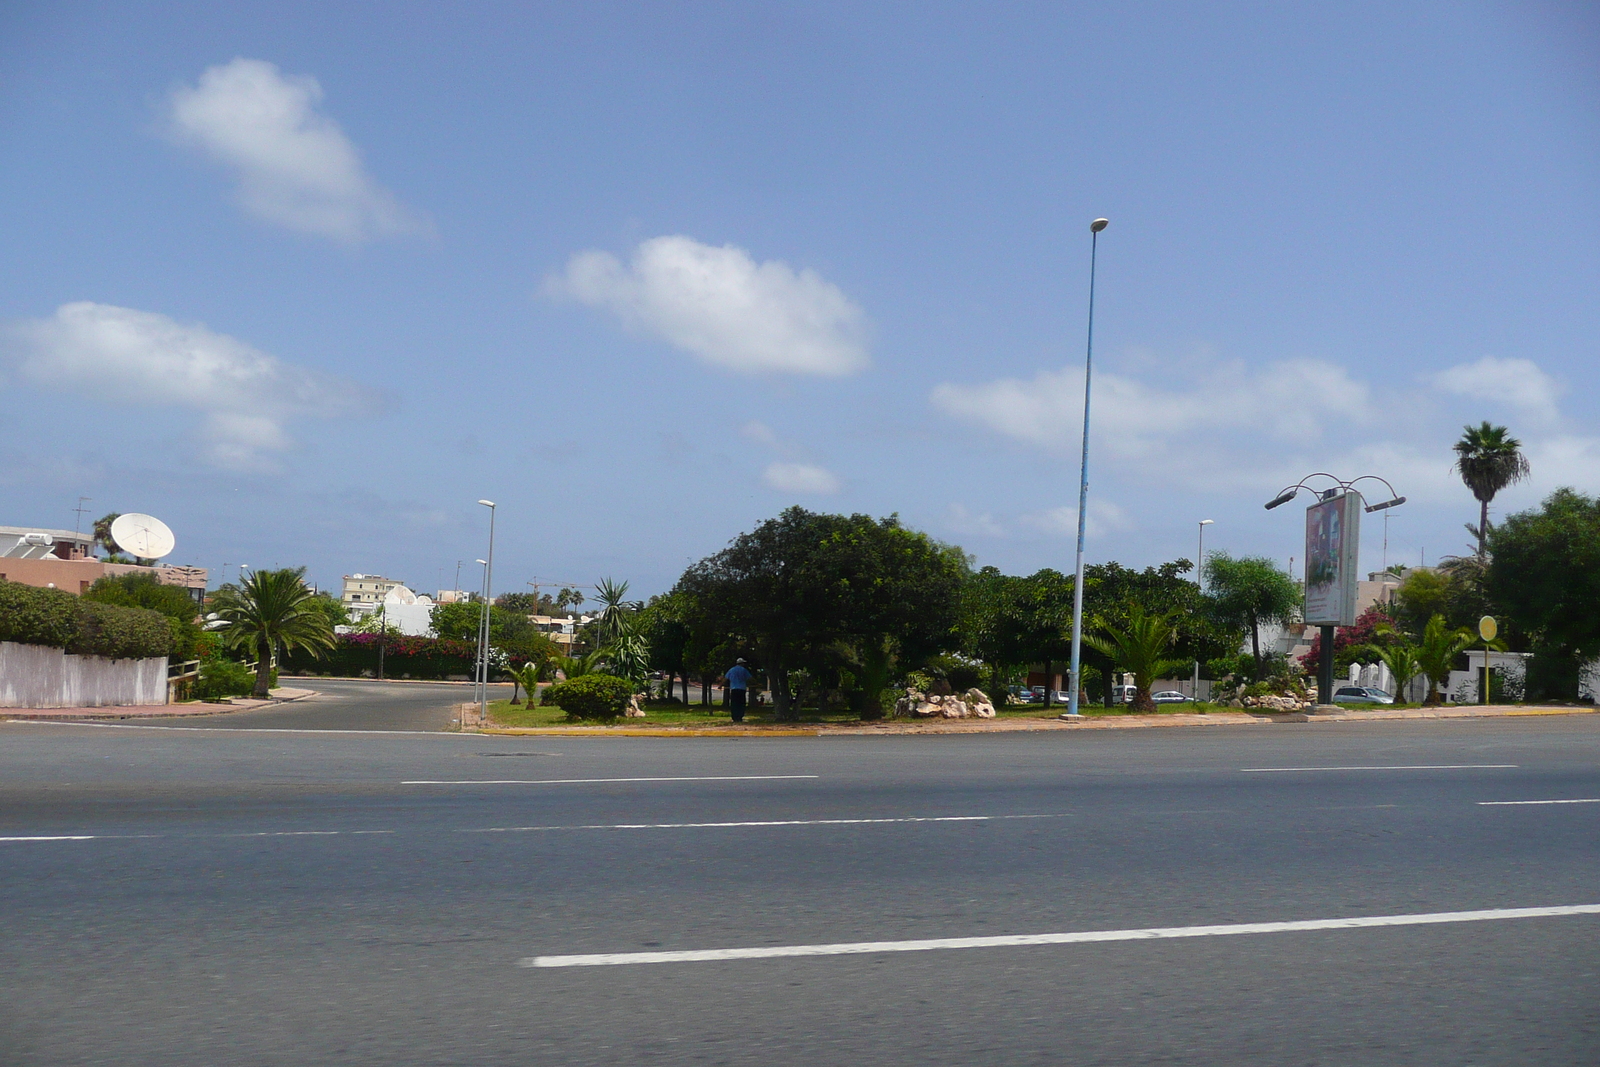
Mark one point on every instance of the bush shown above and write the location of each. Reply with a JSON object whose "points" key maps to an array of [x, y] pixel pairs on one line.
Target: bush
{"points": [[590, 696], [356, 655], [222, 677], [57, 619]]}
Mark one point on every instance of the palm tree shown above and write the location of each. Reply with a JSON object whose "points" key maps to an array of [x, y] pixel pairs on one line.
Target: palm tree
{"points": [[1400, 657], [528, 676], [1436, 655], [270, 611], [1140, 648], [1489, 459], [578, 666], [616, 618]]}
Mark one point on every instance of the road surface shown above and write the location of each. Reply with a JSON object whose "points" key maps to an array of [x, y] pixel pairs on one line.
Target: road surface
{"points": [[205, 894]]}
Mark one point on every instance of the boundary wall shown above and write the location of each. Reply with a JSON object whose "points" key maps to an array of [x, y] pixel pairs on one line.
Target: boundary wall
{"points": [[37, 676]]}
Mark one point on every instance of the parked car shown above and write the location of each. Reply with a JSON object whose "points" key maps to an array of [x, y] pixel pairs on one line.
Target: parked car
{"points": [[1171, 696], [1361, 694], [1123, 694]]}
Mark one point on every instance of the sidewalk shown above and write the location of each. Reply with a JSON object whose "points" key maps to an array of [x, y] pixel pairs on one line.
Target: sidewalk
{"points": [[155, 711], [893, 727]]}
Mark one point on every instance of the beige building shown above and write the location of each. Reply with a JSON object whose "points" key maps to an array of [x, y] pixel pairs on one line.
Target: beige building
{"points": [[364, 592], [64, 559]]}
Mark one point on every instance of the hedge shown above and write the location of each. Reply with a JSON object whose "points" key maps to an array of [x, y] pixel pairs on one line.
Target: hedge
{"points": [[57, 619], [356, 656], [590, 696]]}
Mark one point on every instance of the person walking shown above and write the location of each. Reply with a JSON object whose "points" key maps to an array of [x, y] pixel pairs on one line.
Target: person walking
{"points": [[738, 689]]}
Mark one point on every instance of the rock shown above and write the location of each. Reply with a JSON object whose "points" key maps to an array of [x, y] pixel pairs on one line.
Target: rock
{"points": [[953, 708], [633, 710], [982, 711], [926, 710]]}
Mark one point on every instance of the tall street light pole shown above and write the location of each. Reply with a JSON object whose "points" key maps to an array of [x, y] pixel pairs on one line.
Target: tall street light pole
{"points": [[1075, 678], [1200, 581], [483, 622]]}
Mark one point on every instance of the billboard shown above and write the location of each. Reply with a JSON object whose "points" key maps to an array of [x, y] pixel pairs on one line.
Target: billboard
{"points": [[1333, 536]]}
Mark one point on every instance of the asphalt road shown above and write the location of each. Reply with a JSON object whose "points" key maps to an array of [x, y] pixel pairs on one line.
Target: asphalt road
{"points": [[352, 704], [244, 897]]}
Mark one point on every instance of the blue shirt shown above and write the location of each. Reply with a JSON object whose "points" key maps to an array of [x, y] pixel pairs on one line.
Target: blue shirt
{"points": [[738, 678]]}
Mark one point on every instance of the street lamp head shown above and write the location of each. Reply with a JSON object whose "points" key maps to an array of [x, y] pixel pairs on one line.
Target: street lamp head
{"points": [[1282, 498], [1207, 522], [487, 503], [483, 561], [1396, 502], [1099, 224]]}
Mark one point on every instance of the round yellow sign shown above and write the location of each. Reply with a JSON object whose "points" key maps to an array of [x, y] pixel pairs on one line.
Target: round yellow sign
{"points": [[1487, 627]]}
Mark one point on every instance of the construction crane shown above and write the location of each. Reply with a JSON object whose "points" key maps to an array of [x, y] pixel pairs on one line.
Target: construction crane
{"points": [[537, 583]]}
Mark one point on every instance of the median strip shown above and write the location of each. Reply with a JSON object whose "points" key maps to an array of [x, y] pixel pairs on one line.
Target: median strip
{"points": [[590, 781], [854, 948], [1412, 767]]}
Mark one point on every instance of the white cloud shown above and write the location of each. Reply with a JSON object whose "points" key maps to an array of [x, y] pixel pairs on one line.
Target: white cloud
{"points": [[723, 307], [1518, 382], [296, 166], [121, 356], [1287, 401], [806, 478], [1103, 517], [759, 433], [962, 521]]}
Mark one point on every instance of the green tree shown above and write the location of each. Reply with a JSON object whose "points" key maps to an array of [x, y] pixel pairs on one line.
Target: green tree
{"points": [[144, 591], [1142, 646], [1438, 652], [269, 613], [1398, 654], [667, 634], [617, 616], [1544, 576], [331, 607], [1488, 459], [803, 581], [1251, 592]]}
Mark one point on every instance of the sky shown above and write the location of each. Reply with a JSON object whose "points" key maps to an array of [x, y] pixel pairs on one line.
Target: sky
{"points": [[307, 281]]}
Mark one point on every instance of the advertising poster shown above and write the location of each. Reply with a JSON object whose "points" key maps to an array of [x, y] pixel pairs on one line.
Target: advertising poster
{"points": [[1333, 536]]}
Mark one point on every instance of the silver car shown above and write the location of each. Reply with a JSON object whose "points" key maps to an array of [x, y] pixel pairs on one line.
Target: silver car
{"points": [[1171, 696], [1361, 694]]}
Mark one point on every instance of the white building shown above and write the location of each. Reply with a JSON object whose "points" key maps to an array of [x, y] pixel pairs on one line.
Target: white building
{"points": [[363, 592]]}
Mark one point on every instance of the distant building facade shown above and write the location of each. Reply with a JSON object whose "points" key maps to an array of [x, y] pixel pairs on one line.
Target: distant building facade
{"points": [[364, 592], [64, 559]]}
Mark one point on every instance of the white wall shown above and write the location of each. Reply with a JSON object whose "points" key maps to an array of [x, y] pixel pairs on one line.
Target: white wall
{"points": [[34, 676]]}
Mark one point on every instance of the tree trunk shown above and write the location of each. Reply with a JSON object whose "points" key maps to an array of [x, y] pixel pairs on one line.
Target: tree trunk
{"points": [[1049, 685], [263, 669], [783, 708], [1483, 529], [1255, 649], [1141, 698], [874, 677]]}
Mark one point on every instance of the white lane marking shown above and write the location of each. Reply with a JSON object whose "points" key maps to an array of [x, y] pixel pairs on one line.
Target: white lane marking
{"points": [[1414, 767], [1517, 803], [848, 948], [771, 822], [61, 837], [587, 781], [309, 833], [242, 729]]}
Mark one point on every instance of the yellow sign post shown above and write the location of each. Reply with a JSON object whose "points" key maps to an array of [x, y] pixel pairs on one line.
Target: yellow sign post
{"points": [[1487, 629]]}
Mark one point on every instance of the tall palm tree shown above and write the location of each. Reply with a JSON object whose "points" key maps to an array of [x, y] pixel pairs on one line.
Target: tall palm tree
{"points": [[270, 611], [617, 614], [1489, 459], [1142, 648], [1436, 654]]}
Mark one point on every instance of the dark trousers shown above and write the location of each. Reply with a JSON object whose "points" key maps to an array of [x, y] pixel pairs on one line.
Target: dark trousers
{"points": [[736, 704]]}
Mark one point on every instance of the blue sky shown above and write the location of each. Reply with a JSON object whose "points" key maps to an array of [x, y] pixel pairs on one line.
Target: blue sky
{"points": [[306, 281]]}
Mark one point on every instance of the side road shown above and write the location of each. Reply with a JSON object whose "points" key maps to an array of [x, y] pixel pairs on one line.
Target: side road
{"points": [[282, 695], [468, 716]]}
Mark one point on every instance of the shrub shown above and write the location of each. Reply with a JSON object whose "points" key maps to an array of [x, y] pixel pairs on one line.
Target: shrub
{"points": [[58, 619], [590, 696], [223, 677]]}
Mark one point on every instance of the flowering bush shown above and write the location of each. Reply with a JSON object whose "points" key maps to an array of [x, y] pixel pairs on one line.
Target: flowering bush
{"points": [[1364, 632]]}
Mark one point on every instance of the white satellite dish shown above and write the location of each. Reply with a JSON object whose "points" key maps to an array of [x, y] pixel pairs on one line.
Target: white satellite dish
{"points": [[142, 536]]}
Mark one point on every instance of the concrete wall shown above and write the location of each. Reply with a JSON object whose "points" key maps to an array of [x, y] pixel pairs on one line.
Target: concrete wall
{"points": [[34, 676], [72, 576]]}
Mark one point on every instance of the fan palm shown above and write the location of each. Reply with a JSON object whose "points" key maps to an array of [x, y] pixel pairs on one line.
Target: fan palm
{"points": [[1488, 459], [1400, 657], [270, 612], [1141, 648], [1437, 653]]}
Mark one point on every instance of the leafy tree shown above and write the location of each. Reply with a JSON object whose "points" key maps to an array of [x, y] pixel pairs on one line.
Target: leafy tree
{"points": [[1488, 459], [460, 621], [1544, 575], [667, 635], [330, 606], [1143, 646], [1251, 592], [522, 603], [803, 581], [144, 591], [1437, 653], [268, 612]]}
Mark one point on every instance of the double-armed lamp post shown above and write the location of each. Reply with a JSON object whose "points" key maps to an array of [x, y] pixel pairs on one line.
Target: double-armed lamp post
{"points": [[1333, 533]]}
